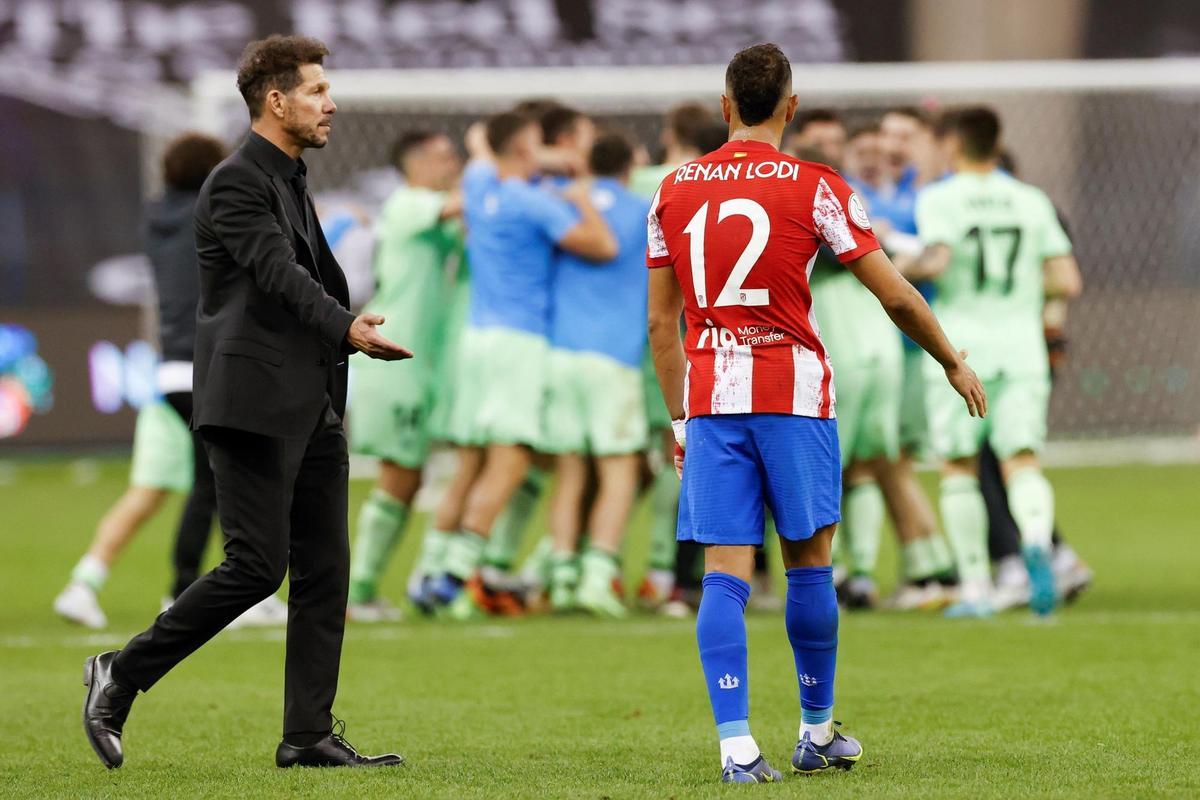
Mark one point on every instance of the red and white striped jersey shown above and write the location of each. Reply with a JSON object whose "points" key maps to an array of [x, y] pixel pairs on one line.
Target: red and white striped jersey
{"points": [[741, 227]]}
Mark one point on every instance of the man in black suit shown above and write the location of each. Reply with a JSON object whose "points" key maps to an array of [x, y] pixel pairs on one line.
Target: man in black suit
{"points": [[273, 334]]}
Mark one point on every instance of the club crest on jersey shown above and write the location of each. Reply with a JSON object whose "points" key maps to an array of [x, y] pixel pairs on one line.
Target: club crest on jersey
{"points": [[858, 213]]}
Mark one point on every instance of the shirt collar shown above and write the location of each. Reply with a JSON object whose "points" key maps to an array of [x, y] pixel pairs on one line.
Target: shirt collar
{"points": [[749, 146], [274, 159]]}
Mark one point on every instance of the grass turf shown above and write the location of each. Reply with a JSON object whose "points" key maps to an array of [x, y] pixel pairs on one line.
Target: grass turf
{"points": [[1100, 702]]}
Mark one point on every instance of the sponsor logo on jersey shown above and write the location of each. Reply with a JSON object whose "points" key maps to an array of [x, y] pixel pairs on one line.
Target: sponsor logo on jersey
{"points": [[858, 213]]}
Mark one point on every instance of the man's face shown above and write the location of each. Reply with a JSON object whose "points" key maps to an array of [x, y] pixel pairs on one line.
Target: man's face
{"points": [[865, 157], [899, 133], [525, 146], [436, 163], [827, 138], [581, 137], [308, 109]]}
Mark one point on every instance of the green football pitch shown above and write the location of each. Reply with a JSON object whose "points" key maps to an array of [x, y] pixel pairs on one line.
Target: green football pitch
{"points": [[1101, 701]]}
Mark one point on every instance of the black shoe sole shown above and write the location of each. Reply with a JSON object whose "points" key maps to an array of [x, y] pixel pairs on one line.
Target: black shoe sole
{"points": [[89, 672]]}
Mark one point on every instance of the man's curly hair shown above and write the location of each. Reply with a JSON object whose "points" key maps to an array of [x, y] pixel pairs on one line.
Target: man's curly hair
{"points": [[757, 78], [274, 63]]}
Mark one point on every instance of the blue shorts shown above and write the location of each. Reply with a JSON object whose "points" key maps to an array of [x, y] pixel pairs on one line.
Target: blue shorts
{"points": [[737, 463]]}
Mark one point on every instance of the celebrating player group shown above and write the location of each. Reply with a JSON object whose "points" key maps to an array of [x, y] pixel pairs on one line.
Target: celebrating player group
{"points": [[758, 354]]}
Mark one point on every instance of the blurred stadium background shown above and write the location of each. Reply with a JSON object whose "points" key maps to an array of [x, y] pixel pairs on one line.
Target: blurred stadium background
{"points": [[1101, 104]]}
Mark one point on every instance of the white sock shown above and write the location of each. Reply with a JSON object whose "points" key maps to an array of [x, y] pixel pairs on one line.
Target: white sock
{"points": [[91, 572], [742, 749], [976, 591], [821, 733]]}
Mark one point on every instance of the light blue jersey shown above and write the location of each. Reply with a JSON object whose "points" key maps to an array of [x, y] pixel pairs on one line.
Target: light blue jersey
{"points": [[601, 308], [512, 231], [895, 202]]}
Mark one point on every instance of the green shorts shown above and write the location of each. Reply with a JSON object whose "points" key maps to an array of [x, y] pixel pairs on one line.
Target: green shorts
{"points": [[499, 388], [443, 392], [596, 405], [657, 416], [1016, 418], [868, 410], [914, 427], [390, 407], [162, 450]]}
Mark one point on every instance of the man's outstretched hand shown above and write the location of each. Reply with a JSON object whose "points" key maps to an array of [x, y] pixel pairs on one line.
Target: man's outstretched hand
{"points": [[363, 337], [967, 384]]}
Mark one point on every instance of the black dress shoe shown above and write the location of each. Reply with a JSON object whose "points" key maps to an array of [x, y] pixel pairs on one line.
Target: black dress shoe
{"points": [[332, 751], [105, 709]]}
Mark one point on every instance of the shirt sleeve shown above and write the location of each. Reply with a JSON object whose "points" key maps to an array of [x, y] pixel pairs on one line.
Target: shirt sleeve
{"points": [[935, 225], [410, 212], [656, 243], [553, 215], [1055, 241], [840, 219]]}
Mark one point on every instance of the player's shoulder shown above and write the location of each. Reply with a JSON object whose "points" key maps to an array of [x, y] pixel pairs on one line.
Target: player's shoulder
{"points": [[942, 190], [1027, 191]]}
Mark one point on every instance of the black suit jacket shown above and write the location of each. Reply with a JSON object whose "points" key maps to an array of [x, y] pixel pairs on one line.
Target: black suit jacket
{"points": [[273, 312]]}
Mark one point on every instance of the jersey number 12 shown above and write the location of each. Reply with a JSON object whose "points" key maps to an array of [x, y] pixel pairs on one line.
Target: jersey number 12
{"points": [[732, 293]]}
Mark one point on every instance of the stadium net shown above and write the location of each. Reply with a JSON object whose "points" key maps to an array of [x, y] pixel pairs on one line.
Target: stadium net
{"points": [[1115, 144]]}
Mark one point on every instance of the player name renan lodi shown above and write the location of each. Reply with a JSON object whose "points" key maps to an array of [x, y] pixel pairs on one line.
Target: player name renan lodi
{"points": [[696, 171]]}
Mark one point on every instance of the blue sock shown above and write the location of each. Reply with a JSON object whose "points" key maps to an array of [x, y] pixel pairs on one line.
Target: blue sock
{"points": [[812, 626], [721, 634]]}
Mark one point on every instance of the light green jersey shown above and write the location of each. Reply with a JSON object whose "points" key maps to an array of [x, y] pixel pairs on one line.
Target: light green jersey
{"points": [[989, 300], [855, 329], [645, 180], [417, 258]]}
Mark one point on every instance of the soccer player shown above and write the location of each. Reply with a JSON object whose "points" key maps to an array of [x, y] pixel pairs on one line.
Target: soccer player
{"points": [[996, 250], [419, 242], [684, 127], [596, 400], [161, 464], [165, 456], [882, 167], [862, 341], [752, 401], [513, 230], [820, 130]]}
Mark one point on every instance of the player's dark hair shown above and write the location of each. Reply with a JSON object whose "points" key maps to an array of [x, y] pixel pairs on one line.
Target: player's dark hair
{"points": [[407, 142], [612, 155], [757, 79], [502, 128], [815, 116], [535, 106], [1007, 161], [686, 120], [978, 129], [862, 130], [558, 120], [917, 113], [943, 123], [815, 155], [188, 160], [274, 63], [711, 137]]}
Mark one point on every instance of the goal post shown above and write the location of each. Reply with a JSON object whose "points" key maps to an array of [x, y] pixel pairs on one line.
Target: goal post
{"points": [[1116, 145]]}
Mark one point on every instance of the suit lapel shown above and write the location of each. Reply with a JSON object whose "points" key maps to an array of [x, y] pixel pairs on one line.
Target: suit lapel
{"points": [[295, 214]]}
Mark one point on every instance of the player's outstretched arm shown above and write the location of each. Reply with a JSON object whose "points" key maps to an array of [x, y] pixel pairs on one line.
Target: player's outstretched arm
{"points": [[912, 315], [590, 237], [666, 348], [1062, 277]]}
